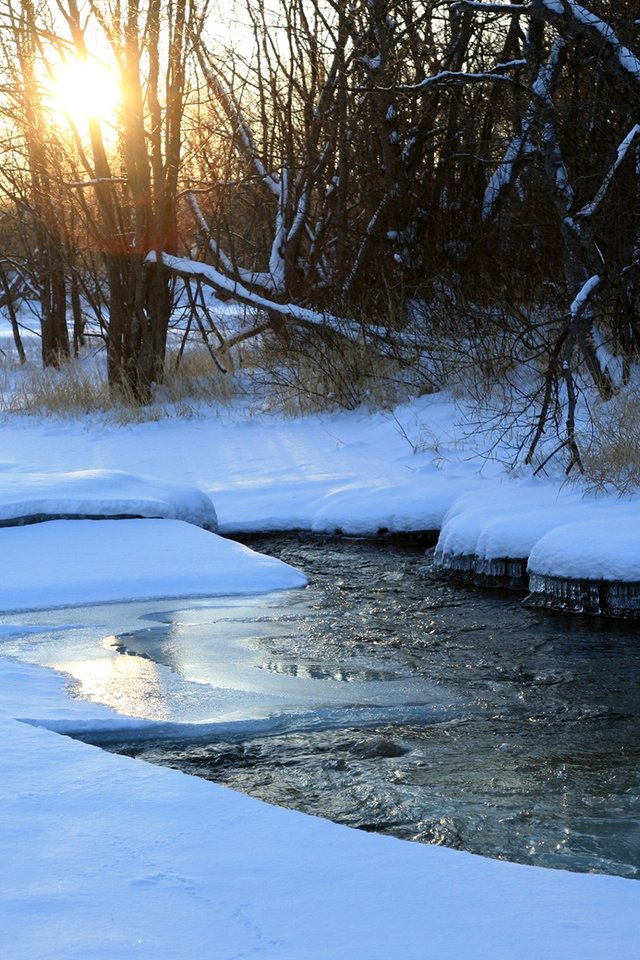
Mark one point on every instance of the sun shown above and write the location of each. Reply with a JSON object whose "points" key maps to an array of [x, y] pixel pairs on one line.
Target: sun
{"points": [[83, 90]]}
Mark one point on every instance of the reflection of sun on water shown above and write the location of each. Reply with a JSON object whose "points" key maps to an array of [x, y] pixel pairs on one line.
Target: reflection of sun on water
{"points": [[130, 685], [81, 90]]}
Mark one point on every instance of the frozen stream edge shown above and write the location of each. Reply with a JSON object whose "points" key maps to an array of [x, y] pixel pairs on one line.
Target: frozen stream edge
{"points": [[611, 598]]}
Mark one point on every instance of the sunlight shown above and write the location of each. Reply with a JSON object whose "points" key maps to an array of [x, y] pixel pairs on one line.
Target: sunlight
{"points": [[131, 685], [82, 90]]}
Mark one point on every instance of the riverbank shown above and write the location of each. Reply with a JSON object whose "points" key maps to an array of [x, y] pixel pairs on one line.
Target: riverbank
{"points": [[106, 857], [417, 468]]}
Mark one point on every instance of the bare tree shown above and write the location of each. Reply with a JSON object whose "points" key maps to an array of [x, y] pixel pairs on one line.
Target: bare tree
{"points": [[39, 196], [121, 193], [571, 168], [137, 200]]}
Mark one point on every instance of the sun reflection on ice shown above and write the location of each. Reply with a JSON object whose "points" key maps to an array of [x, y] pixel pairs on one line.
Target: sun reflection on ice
{"points": [[131, 685]]}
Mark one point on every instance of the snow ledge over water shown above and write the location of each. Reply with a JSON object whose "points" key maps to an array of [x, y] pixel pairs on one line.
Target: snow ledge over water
{"points": [[70, 562]]}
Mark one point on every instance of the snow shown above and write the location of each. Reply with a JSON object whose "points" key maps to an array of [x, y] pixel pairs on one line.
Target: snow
{"points": [[603, 549], [99, 493], [561, 531], [506, 521], [105, 857], [354, 471], [108, 857], [64, 562]]}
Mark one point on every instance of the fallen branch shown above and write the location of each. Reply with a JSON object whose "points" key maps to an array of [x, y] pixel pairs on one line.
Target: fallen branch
{"points": [[184, 267]]}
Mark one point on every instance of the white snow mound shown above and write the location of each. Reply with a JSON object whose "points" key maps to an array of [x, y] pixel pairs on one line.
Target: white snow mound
{"points": [[605, 549], [101, 493], [69, 562], [504, 519]]}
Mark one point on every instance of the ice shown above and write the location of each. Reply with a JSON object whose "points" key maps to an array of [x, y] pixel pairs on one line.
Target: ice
{"points": [[212, 661]]}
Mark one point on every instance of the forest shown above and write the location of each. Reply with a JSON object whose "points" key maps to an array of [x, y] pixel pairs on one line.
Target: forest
{"points": [[397, 193]]}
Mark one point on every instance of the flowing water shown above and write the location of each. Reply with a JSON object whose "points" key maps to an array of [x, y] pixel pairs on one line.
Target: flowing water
{"points": [[382, 697]]}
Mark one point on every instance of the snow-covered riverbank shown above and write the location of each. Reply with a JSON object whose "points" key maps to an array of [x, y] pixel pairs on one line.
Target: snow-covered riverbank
{"points": [[106, 857], [356, 473]]}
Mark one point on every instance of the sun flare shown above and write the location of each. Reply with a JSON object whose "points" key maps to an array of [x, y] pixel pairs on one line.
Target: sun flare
{"points": [[82, 90]]}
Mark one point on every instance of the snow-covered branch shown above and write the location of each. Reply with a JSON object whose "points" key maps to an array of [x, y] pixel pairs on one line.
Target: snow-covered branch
{"points": [[457, 78], [277, 256], [371, 226], [602, 364], [583, 296], [521, 144], [509, 8], [590, 209], [576, 21], [543, 84], [245, 135], [253, 278], [291, 191], [198, 216], [184, 267], [505, 174], [94, 182], [549, 141]]}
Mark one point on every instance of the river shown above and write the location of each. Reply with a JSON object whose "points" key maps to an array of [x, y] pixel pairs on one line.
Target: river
{"points": [[383, 697]]}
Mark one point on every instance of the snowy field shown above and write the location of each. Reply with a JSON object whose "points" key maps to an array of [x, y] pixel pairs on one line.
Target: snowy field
{"points": [[106, 857]]}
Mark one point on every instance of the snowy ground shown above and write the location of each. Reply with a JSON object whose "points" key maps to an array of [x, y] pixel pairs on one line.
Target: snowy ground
{"points": [[105, 857], [353, 472]]}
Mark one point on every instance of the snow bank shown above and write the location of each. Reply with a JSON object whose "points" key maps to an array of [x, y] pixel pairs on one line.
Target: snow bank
{"points": [[506, 519], [397, 506], [100, 493], [356, 472], [488, 535], [499, 520], [604, 549], [353, 470], [65, 562], [109, 858]]}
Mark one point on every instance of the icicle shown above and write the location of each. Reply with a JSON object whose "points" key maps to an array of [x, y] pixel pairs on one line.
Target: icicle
{"points": [[483, 571]]}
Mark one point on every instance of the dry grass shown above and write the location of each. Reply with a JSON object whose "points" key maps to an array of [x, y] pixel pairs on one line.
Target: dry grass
{"points": [[306, 372], [67, 391], [611, 454], [194, 377], [78, 388], [317, 372]]}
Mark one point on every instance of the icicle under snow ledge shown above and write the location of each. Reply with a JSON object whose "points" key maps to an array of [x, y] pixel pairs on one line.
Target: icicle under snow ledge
{"points": [[488, 534], [589, 568]]}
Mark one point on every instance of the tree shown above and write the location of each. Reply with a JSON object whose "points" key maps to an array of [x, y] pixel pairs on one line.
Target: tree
{"points": [[37, 192], [390, 173], [131, 179], [137, 203], [580, 130]]}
